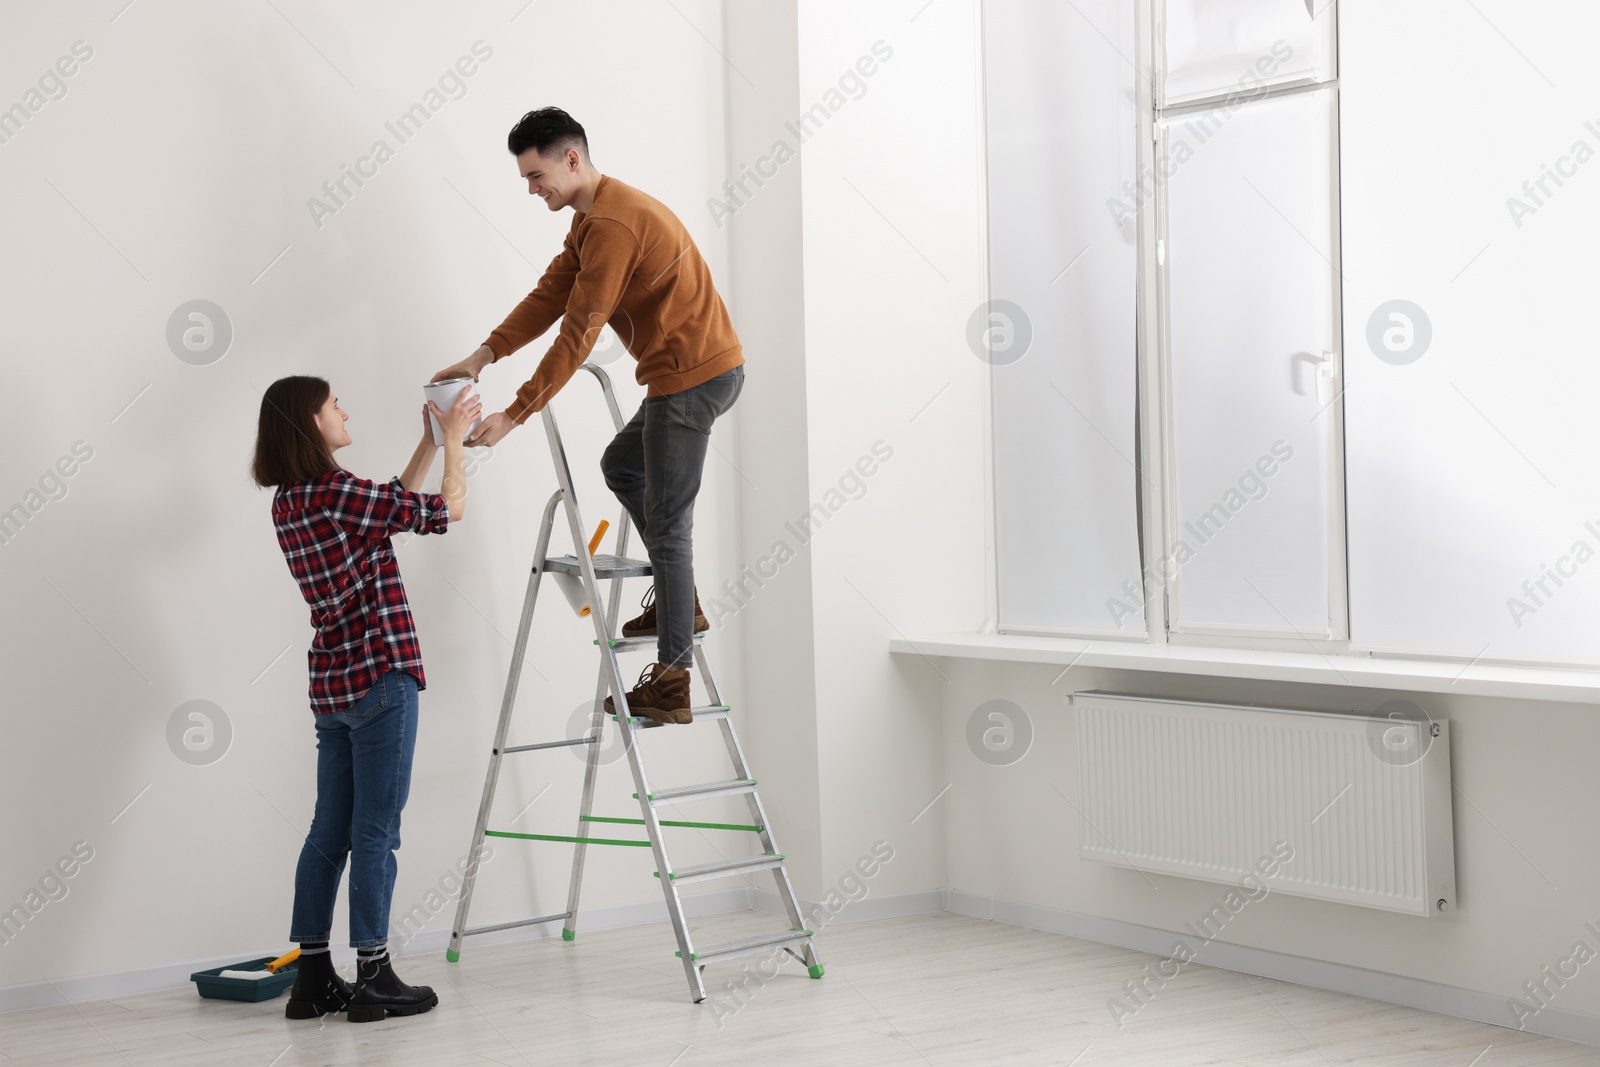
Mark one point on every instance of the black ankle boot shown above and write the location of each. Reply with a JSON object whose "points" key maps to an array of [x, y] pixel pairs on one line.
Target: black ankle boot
{"points": [[318, 990], [379, 992]]}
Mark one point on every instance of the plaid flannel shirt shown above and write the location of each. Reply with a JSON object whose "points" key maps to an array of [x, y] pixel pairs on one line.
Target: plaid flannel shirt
{"points": [[334, 530]]}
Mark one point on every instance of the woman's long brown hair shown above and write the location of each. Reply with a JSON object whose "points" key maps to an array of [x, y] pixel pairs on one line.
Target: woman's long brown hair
{"points": [[289, 446]]}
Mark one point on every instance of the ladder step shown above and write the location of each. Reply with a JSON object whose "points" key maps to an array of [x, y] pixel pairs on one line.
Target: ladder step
{"points": [[622, 644], [728, 869], [548, 744], [605, 566], [512, 925], [747, 947], [684, 793], [671, 822], [707, 713]]}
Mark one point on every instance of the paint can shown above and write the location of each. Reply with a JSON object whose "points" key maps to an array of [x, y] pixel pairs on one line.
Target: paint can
{"points": [[444, 394]]}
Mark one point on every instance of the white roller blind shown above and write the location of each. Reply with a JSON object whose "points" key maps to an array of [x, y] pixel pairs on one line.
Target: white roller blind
{"points": [[1471, 197], [1060, 148]]}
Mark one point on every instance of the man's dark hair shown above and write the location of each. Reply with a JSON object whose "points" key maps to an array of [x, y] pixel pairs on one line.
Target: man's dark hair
{"points": [[549, 130], [289, 446]]}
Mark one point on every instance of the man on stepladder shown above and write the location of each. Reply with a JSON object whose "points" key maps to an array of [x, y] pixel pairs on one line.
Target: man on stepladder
{"points": [[628, 262]]}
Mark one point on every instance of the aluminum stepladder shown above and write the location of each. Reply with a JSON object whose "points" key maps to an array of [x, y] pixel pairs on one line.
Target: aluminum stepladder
{"points": [[797, 940]]}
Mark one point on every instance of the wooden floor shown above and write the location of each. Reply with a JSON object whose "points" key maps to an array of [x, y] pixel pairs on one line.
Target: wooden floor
{"points": [[939, 989]]}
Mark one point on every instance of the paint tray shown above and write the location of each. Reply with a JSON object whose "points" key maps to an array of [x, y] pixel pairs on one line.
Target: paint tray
{"points": [[212, 984]]}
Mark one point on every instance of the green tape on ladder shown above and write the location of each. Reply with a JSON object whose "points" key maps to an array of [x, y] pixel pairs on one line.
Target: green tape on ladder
{"points": [[563, 837]]}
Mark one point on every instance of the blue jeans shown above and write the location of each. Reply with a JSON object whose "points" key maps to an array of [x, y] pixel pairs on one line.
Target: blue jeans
{"points": [[363, 779], [654, 465]]}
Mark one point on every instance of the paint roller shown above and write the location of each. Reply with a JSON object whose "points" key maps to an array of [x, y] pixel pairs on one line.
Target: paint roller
{"points": [[572, 585]]}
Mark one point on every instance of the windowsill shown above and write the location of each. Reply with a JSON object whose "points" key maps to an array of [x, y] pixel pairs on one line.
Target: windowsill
{"points": [[1424, 676]]}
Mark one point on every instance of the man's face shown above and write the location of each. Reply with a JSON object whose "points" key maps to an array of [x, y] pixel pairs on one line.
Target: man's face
{"points": [[553, 178]]}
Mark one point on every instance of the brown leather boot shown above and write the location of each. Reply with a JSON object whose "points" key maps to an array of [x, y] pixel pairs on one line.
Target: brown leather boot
{"points": [[645, 625], [661, 695]]}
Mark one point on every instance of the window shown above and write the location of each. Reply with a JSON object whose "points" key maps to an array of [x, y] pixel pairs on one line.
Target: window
{"points": [[1059, 329], [1308, 326], [1245, 172]]}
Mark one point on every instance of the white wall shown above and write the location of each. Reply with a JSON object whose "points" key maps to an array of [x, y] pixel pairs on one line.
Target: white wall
{"points": [[178, 166], [865, 410], [893, 260], [769, 604]]}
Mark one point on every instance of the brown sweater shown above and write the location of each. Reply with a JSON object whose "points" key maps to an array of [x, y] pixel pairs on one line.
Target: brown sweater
{"points": [[629, 262]]}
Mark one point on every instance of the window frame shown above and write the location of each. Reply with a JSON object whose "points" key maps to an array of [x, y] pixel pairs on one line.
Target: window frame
{"points": [[1159, 533]]}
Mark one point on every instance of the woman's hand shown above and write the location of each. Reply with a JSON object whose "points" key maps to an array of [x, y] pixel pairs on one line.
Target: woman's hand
{"points": [[462, 414]]}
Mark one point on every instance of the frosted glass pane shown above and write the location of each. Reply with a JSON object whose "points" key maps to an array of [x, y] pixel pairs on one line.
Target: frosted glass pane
{"points": [[1060, 135], [1473, 447], [1217, 46], [1249, 236]]}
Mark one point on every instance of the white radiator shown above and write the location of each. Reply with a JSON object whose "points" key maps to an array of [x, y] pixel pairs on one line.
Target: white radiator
{"points": [[1216, 791]]}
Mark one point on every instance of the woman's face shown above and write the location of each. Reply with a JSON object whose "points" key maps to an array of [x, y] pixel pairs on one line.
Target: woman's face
{"points": [[330, 420]]}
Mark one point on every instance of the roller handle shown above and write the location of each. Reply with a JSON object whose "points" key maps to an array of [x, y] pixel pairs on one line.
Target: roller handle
{"points": [[599, 532], [284, 960]]}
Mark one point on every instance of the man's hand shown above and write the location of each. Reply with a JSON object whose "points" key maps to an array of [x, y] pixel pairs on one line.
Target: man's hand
{"points": [[493, 430], [470, 367]]}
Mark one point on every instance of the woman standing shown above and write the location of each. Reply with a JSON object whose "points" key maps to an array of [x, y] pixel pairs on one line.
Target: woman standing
{"points": [[366, 671]]}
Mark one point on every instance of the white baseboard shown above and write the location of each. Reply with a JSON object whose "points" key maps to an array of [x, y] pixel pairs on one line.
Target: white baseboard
{"points": [[78, 989], [1317, 974]]}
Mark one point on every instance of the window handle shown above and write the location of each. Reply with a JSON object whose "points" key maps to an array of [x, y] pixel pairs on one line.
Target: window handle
{"points": [[1322, 368], [1325, 371]]}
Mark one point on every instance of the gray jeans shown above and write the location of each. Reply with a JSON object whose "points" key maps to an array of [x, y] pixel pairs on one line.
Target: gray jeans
{"points": [[654, 465]]}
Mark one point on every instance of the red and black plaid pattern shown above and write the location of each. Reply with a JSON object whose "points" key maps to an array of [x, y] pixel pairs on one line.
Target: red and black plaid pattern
{"points": [[334, 531]]}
